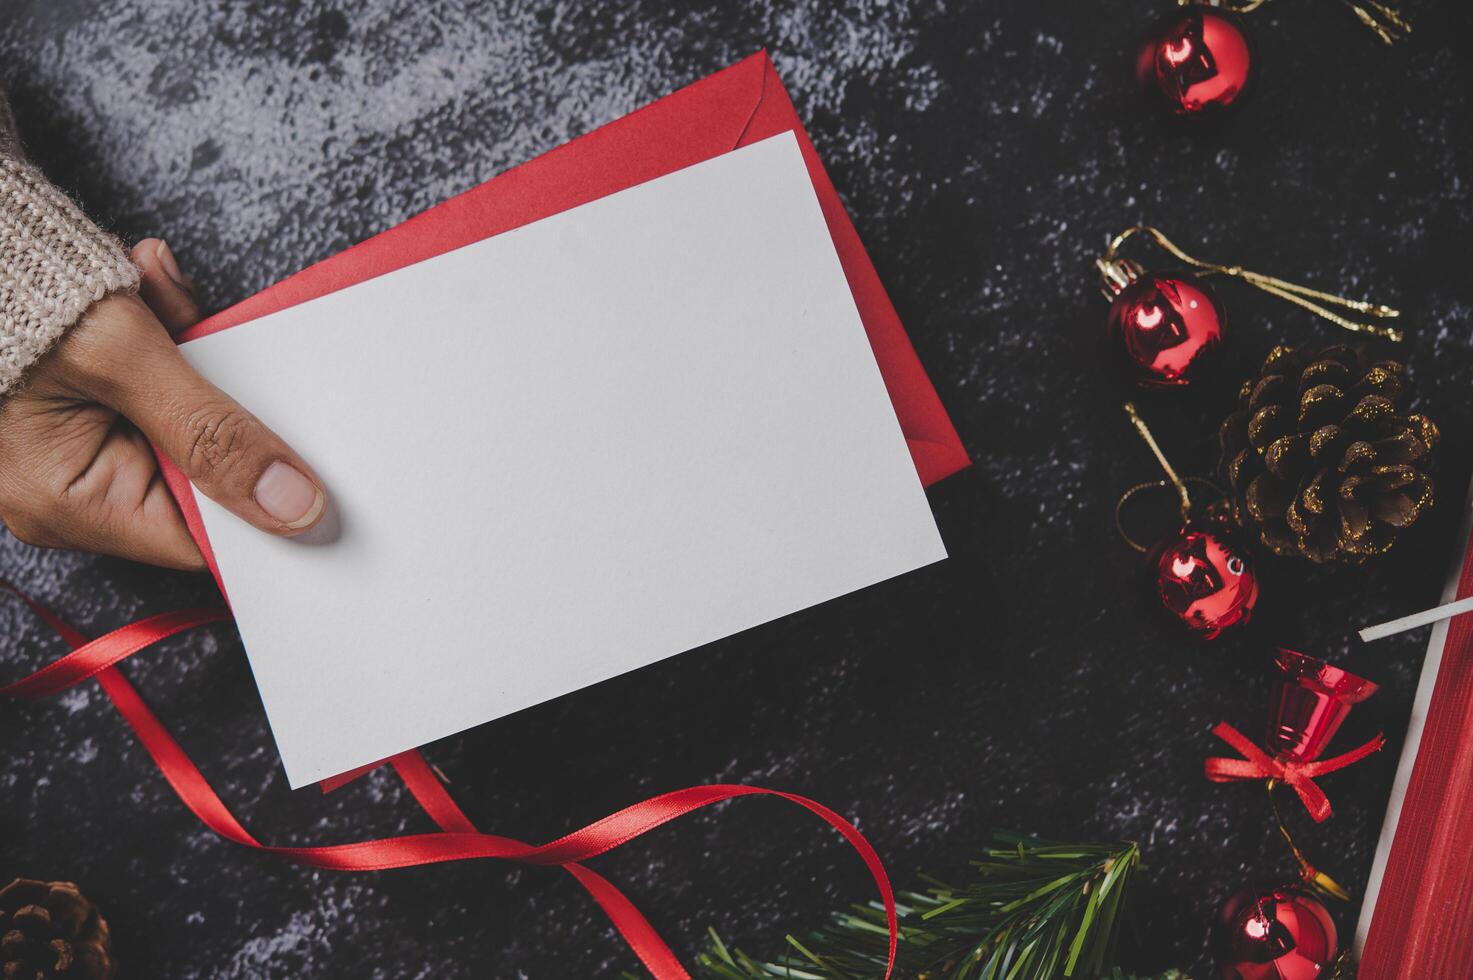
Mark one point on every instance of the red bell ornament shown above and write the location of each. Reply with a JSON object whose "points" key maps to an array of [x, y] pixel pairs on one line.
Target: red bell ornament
{"points": [[1167, 327], [1198, 60], [1204, 577], [1309, 703], [1275, 934]]}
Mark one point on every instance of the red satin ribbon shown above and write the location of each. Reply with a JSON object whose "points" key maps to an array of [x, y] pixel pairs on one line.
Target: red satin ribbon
{"points": [[458, 839], [1258, 764]]}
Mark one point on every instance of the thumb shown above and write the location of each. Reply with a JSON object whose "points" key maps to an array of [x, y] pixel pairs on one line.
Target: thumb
{"points": [[166, 290], [229, 454]]}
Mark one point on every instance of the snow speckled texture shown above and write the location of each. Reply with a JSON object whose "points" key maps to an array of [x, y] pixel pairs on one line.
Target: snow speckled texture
{"points": [[986, 150]]}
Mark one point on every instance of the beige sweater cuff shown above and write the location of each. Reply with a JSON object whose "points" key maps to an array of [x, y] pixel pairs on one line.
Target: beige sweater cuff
{"points": [[54, 264]]}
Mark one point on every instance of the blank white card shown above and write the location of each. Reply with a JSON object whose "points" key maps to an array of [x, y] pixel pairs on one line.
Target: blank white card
{"points": [[559, 454]]}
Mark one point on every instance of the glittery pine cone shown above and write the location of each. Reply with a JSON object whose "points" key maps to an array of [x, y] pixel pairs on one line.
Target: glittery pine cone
{"points": [[49, 930], [1322, 461]]}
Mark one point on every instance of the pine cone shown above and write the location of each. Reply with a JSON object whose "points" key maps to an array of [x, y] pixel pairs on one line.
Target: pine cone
{"points": [[49, 930], [1320, 457]]}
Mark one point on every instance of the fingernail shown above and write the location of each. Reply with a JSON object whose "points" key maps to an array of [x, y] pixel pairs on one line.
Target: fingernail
{"points": [[288, 496], [170, 264]]}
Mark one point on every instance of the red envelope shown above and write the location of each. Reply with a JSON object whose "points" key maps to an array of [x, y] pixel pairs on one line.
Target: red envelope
{"points": [[736, 106]]}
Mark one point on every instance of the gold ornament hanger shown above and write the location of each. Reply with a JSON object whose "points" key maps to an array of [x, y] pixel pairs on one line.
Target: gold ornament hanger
{"points": [[1308, 873], [1172, 481], [1382, 18]]}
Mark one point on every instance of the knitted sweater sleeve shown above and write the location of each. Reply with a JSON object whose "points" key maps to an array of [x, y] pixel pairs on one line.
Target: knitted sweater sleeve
{"points": [[54, 263]]}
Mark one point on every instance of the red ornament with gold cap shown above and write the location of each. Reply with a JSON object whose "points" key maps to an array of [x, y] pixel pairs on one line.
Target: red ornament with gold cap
{"points": [[1202, 574], [1204, 577], [1280, 933], [1197, 60], [1167, 327]]}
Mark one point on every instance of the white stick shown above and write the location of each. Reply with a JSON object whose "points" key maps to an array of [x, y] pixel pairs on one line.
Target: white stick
{"points": [[1422, 618]]}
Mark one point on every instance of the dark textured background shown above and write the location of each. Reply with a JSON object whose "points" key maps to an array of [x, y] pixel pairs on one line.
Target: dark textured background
{"points": [[985, 150]]}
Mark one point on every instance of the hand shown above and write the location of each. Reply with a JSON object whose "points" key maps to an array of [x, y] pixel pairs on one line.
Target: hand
{"points": [[76, 469]]}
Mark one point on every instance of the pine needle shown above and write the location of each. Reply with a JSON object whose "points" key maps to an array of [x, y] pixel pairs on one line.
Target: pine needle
{"points": [[1035, 910]]}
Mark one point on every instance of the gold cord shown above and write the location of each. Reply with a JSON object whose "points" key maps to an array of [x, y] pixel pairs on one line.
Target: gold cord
{"points": [[1308, 873], [1245, 7], [1301, 296], [1344, 966], [1127, 496], [1176, 482], [1184, 498], [1382, 18]]}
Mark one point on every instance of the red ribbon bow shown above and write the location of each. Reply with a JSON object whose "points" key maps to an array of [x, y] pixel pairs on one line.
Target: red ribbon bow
{"points": [[458, 839], [1258, 764]]}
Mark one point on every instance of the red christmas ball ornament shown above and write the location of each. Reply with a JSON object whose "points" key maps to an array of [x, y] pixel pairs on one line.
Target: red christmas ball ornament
{"points": [[1204, 577], [1167, 327], [1198, 60], [1275, 934]]}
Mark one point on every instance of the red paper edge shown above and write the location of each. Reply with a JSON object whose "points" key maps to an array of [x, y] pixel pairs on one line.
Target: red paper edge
{"points": [[1422, 923], [930, 435], [935, 446]]}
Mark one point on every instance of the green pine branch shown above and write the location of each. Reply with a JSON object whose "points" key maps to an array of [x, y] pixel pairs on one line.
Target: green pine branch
{"points": [[1035, 911]]}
